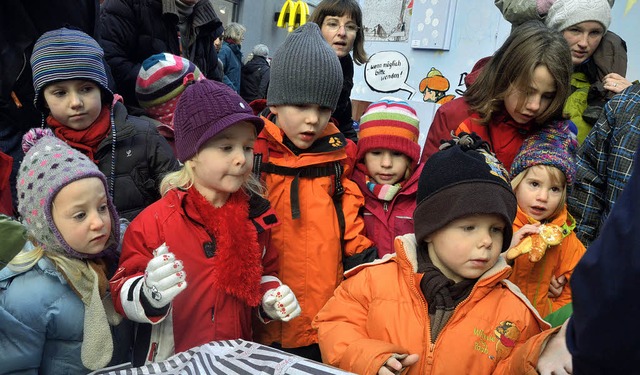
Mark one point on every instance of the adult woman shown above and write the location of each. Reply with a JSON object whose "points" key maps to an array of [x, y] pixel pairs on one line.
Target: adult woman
{"points": [[340, 22], [231, 56], [599, 56]]}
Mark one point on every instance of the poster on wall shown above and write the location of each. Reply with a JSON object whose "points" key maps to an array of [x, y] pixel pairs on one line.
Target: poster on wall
{"points": [[386, 20]]}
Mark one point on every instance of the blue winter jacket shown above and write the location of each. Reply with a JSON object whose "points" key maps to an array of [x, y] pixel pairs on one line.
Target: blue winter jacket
{"points": [[231, 58], [41, 324]]}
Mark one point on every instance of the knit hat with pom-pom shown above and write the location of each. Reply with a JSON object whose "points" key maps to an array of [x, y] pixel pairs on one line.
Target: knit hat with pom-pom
{"points": [[48, 166]]}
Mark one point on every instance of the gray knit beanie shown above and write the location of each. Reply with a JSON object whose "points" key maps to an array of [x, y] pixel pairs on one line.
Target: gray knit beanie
{"points": [[49, 165], [305, 70], [65, 54], [566, 13]]}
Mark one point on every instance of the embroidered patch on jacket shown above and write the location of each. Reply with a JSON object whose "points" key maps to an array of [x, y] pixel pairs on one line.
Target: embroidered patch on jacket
{"points": [[505, 336]]}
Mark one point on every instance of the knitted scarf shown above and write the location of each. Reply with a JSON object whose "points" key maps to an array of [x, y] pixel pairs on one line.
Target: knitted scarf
{"points": [[88, 280], [442, 294], [383, 192], [87, 140], [238, 258]]}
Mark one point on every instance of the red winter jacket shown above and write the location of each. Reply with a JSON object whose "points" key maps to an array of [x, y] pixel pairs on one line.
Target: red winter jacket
{"points": [[384, 221]]}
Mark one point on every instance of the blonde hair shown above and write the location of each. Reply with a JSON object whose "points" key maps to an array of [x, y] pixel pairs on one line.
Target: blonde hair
{"points": [[26, 259], [556, 176], [184, 178]]}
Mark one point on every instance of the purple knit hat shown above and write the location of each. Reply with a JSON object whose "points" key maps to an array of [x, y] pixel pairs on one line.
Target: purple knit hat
{"points": [[554, 144], [204, 109], [48, 166]]}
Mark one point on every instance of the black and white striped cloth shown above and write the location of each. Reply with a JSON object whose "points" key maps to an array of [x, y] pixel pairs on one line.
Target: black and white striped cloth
{"points": [[229, 357]]}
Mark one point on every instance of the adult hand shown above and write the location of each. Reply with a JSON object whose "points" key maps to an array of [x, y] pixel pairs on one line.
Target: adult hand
{"points": [[555, 358], [397, 363], [281, 304], [556, 286], [164, 278], [615, 82]]}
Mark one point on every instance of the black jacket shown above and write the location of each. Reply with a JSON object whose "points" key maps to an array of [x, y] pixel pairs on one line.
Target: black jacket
{"points": [[133, 30], [142, 158], [342, 114], [255, 79]]}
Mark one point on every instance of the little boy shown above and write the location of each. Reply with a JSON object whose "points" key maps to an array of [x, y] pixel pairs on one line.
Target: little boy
{"points": [[70, 83], [442, 304], [303, 160]]}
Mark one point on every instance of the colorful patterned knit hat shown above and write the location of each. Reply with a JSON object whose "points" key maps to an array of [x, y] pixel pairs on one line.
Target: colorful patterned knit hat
{"points": [[554, 145], [65, 54], [163, 77], [393, 124], [49, 165]]}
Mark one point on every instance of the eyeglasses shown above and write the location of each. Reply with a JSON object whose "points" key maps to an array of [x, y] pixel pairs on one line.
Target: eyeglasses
{"points": [[333, 25]]}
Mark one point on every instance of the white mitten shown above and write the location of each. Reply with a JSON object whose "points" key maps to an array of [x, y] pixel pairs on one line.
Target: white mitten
{"points": [[164, 278], [281, 304]]}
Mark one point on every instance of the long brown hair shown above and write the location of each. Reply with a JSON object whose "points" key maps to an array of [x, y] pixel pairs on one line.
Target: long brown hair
{"points": [[529, 45], [339, 8]]}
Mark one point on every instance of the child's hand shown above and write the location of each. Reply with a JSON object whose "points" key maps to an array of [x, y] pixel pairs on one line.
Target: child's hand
{"points": [[521, 233], [164, 278], [556, 286], [397, 363], [281, 304]]}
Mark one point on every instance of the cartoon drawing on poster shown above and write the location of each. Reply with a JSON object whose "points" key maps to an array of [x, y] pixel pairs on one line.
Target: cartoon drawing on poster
{"points": [[434, 87], [386, 20], [387, 71]]}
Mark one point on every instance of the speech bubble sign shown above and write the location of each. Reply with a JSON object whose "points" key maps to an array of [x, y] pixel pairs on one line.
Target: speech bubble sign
{"points": [[387, 71]]}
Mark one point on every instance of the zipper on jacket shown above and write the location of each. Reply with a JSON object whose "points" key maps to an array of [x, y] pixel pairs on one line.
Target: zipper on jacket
{"points": [[385, 206], [429, 359], [153, 351]]}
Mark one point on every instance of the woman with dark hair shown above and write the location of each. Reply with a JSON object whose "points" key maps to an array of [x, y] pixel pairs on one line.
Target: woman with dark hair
{"points": [[340, 22]]}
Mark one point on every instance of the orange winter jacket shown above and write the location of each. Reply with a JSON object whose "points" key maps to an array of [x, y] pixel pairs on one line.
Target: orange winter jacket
{"points": [[380, 310], [534, 278], [309, 246]]}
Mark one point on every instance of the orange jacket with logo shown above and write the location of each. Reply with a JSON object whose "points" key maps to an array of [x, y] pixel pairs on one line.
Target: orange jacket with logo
{"points": [[534, 278], [309, 247], [379, 310]]}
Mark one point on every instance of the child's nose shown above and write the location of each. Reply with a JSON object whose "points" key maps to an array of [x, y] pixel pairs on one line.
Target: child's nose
{"points": [[76, 101]]}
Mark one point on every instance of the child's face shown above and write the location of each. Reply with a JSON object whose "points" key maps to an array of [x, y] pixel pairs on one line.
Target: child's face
{"points": [[583, 38], [386, 166], [526, 106], [340, 33], [303, 124], [75, 103], [81, 214], [468, 247], [224, 163], [538, 194]]}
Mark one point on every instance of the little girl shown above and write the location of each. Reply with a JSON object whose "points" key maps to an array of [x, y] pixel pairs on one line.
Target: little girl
{"points": [[387, 170], [540, 174], [523, 85], [56, 315], [207, 232], [71, 91]]}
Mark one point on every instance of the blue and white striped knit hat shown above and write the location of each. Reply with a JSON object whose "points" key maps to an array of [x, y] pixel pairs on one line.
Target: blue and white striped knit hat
{"points": [[65, 54]]}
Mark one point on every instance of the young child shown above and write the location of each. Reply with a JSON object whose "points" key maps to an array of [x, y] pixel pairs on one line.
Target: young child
{"points": [[540, 173], [387, 170], [523, 85], [55, 310], [208, 231], [161, 80], [441, 305], [303, 160], [71, 89]]}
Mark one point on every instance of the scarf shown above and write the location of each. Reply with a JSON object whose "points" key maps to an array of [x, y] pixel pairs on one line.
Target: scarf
{"points": [[237, 264], [382, 191], [442, 294], [88, 280], [87, 140]]}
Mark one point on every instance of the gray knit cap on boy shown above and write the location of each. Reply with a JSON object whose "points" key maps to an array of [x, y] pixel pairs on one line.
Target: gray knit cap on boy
{"points": [[566, 13], [65, 54], [305, 70], [461, 180], [49, 165]]}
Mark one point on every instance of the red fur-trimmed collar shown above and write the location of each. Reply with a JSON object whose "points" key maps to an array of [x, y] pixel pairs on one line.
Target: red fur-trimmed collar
{"points": [[238, 258]]}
